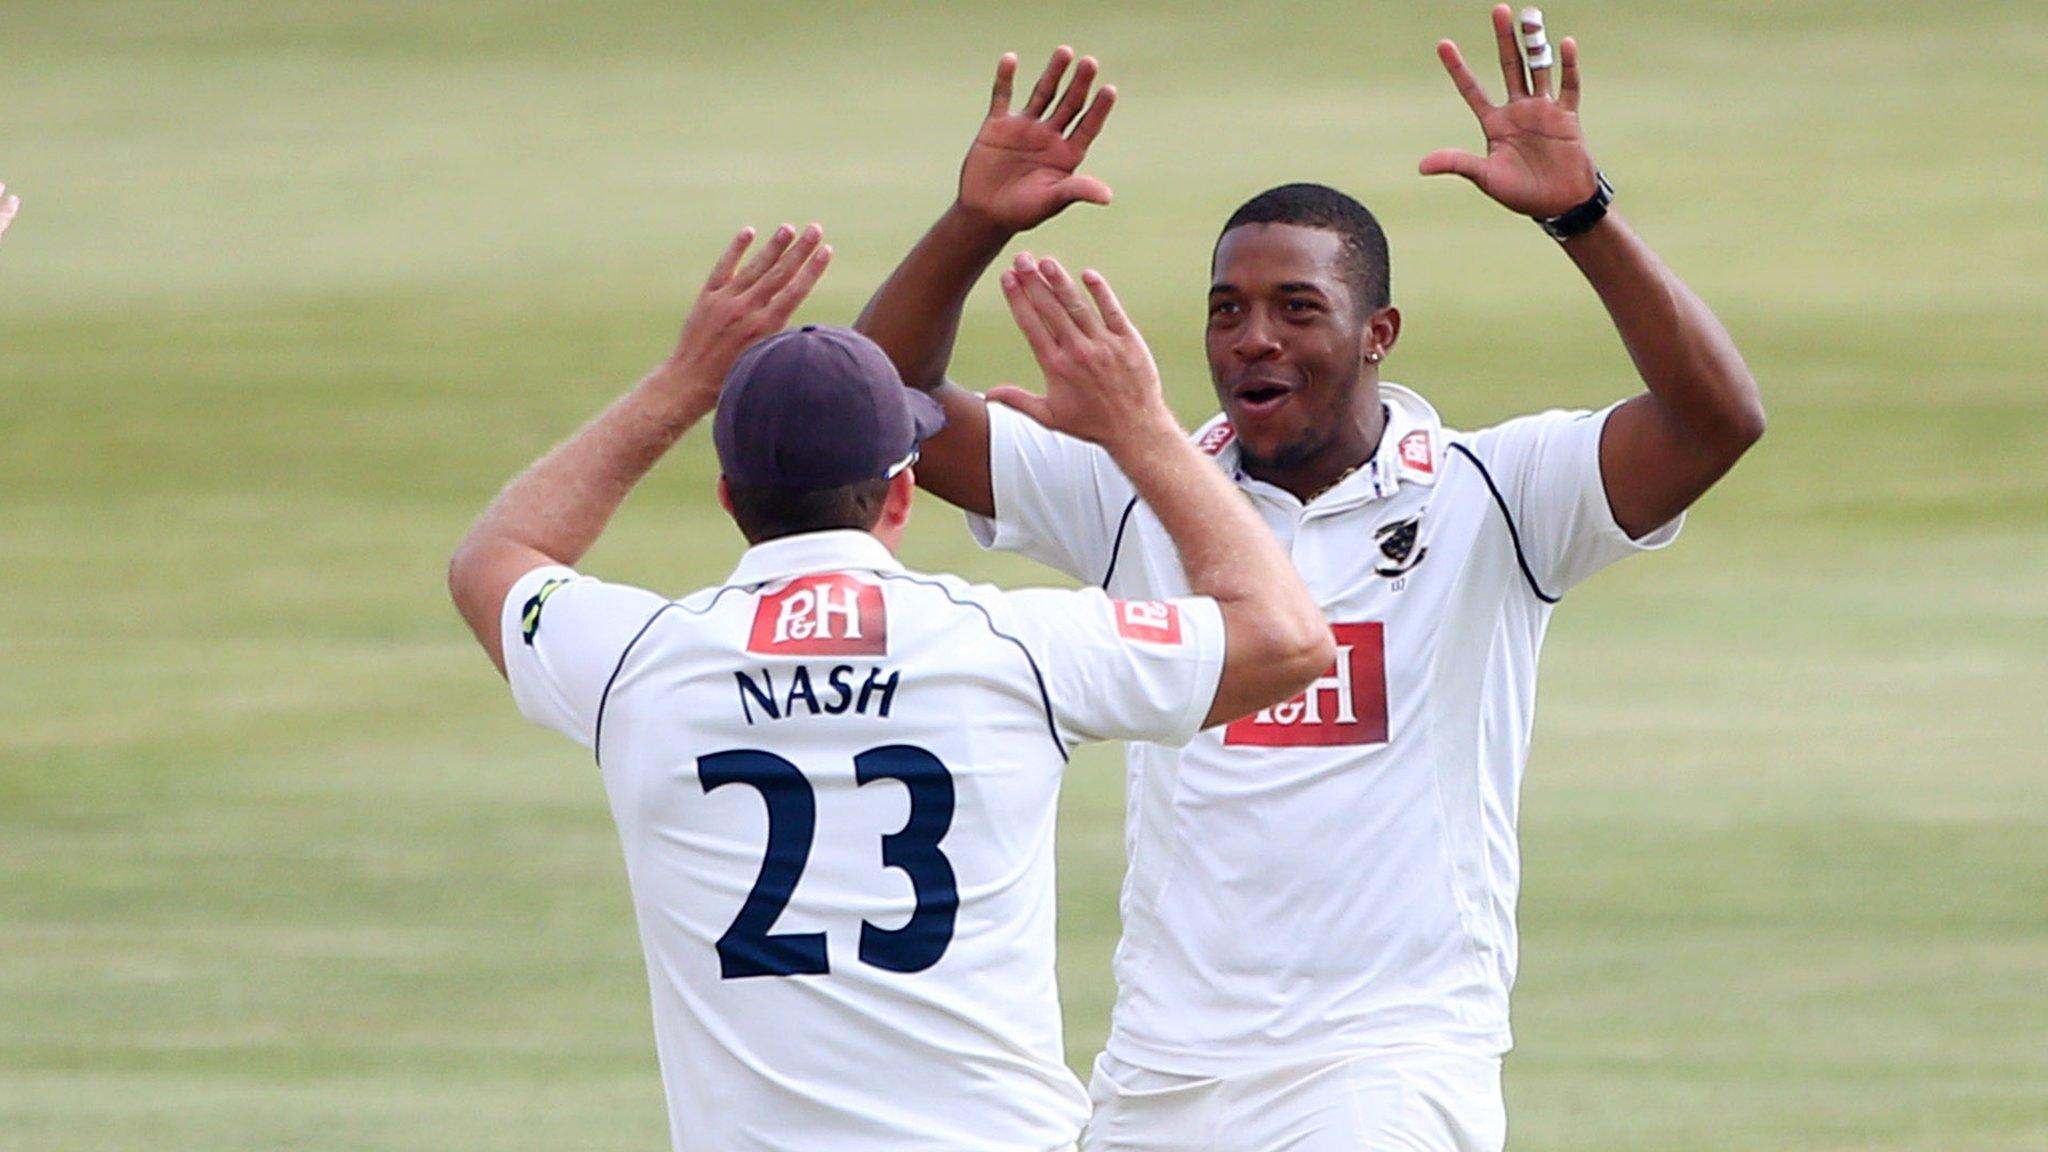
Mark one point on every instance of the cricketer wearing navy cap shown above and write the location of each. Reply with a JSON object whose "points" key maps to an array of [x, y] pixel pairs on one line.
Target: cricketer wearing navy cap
{"points": [[818, 407], [835, 779]]}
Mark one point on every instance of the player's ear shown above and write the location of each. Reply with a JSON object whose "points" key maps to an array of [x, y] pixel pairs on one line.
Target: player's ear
{"points": [[1382, 329], [895, 514], [724, 496], [902, 491]]}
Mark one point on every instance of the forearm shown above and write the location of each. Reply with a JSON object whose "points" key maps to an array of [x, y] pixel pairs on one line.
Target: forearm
{"points": [[1684, 355], [554, 511], [559, 505], [1275, 638], [1226, 551], [1100, 377], [915, 314]]}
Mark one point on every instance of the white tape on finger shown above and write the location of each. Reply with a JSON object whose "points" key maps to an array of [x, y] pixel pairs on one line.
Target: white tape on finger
{"points": [[1535, 45]]}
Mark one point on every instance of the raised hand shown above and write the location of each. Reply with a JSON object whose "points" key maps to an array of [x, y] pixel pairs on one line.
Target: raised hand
{"points": [[1536, 161], [1020, 171], [8, 206], [1100, 381], [738, 306]]}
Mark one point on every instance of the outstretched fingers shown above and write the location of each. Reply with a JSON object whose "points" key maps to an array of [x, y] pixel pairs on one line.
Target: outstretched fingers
{"points": [[797, 288], [1535, 49], [1568, 76], [1462, 78], [1091, 122], [1006, 78], [1113, 316], [798, 251], [1508, 39], [1076, 95], [1023, 310], [722, 271], [791, 261], [778, 243], [1070, 300], [1059, 326], [1048, 85], [742, 303]]}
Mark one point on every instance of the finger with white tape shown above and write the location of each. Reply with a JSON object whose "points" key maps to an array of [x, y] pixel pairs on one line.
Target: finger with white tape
{"points": [[1536, 54], [1535, 44]]}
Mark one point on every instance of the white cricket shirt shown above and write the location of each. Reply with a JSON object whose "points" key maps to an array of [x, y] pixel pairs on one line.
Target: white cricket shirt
{"points": [[1338, 873], [834, 783]]}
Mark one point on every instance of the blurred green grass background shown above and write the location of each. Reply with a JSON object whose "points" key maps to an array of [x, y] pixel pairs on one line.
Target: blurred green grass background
{"points": [[297, 285]]}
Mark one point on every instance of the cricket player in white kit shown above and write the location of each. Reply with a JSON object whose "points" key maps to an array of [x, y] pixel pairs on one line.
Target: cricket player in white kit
{"points": [[834, 779], [1319, 932]]}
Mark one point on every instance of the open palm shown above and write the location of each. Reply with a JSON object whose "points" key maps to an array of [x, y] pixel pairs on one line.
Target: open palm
{"points": [[1021, 169], [1536, 161]]}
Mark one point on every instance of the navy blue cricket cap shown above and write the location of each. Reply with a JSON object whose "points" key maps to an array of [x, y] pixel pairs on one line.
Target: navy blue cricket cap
{"points": [[818, 407]]}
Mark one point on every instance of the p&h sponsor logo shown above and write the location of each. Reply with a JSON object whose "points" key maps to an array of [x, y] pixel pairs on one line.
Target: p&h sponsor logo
{"points": [[828, 615], [1153, 621], [1345, 705], [1415, 452], [1216, 439]]}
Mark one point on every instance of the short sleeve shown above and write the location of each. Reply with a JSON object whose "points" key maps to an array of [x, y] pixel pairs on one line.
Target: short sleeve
{"points": [[563, 636], [1547, 469], [1058, 500], [1123, 669]]}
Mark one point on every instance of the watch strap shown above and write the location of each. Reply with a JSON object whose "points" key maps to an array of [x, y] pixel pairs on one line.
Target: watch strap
{"points": [[1579, 219]]}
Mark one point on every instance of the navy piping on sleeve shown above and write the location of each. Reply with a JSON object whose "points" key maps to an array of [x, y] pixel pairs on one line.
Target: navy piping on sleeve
{"points": [[1514, 537], [597, 729], [1116, 548], [1044, 697]]}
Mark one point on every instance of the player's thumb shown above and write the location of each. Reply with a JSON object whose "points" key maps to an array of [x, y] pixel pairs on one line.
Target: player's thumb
{"points": [[1450, 161], [1086, 189], [1029, 403]]}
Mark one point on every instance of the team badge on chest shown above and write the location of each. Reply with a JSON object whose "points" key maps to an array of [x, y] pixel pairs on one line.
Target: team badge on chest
{"points": [[1398, 548]]}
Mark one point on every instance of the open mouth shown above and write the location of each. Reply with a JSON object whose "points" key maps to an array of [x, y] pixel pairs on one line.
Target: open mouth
{"points": [[1260, 397]]}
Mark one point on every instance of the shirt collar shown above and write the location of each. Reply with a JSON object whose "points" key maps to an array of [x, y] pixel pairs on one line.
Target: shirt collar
{"points": [[1411, 448], [1410, 451], [830, 551]]}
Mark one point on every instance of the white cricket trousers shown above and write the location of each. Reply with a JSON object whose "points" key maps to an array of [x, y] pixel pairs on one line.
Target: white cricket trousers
{"points": [[1409, 1101]]}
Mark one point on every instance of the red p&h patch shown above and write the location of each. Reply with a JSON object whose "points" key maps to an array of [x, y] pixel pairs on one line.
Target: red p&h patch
{"points": [[1346, 705], [1415, 451], [1216, 439], [829, 615], [1153, 621]]}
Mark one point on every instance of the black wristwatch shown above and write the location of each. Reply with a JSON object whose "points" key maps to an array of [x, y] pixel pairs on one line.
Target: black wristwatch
{"points": [[1575, 221]]}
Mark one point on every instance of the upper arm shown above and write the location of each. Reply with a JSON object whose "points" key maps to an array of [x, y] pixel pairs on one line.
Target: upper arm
{"points": [[480, 575], [1056, 499], [954, 464], [1123, 669], [1262, 666], [1551, 470], [1652, 468], [563, 637]]}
